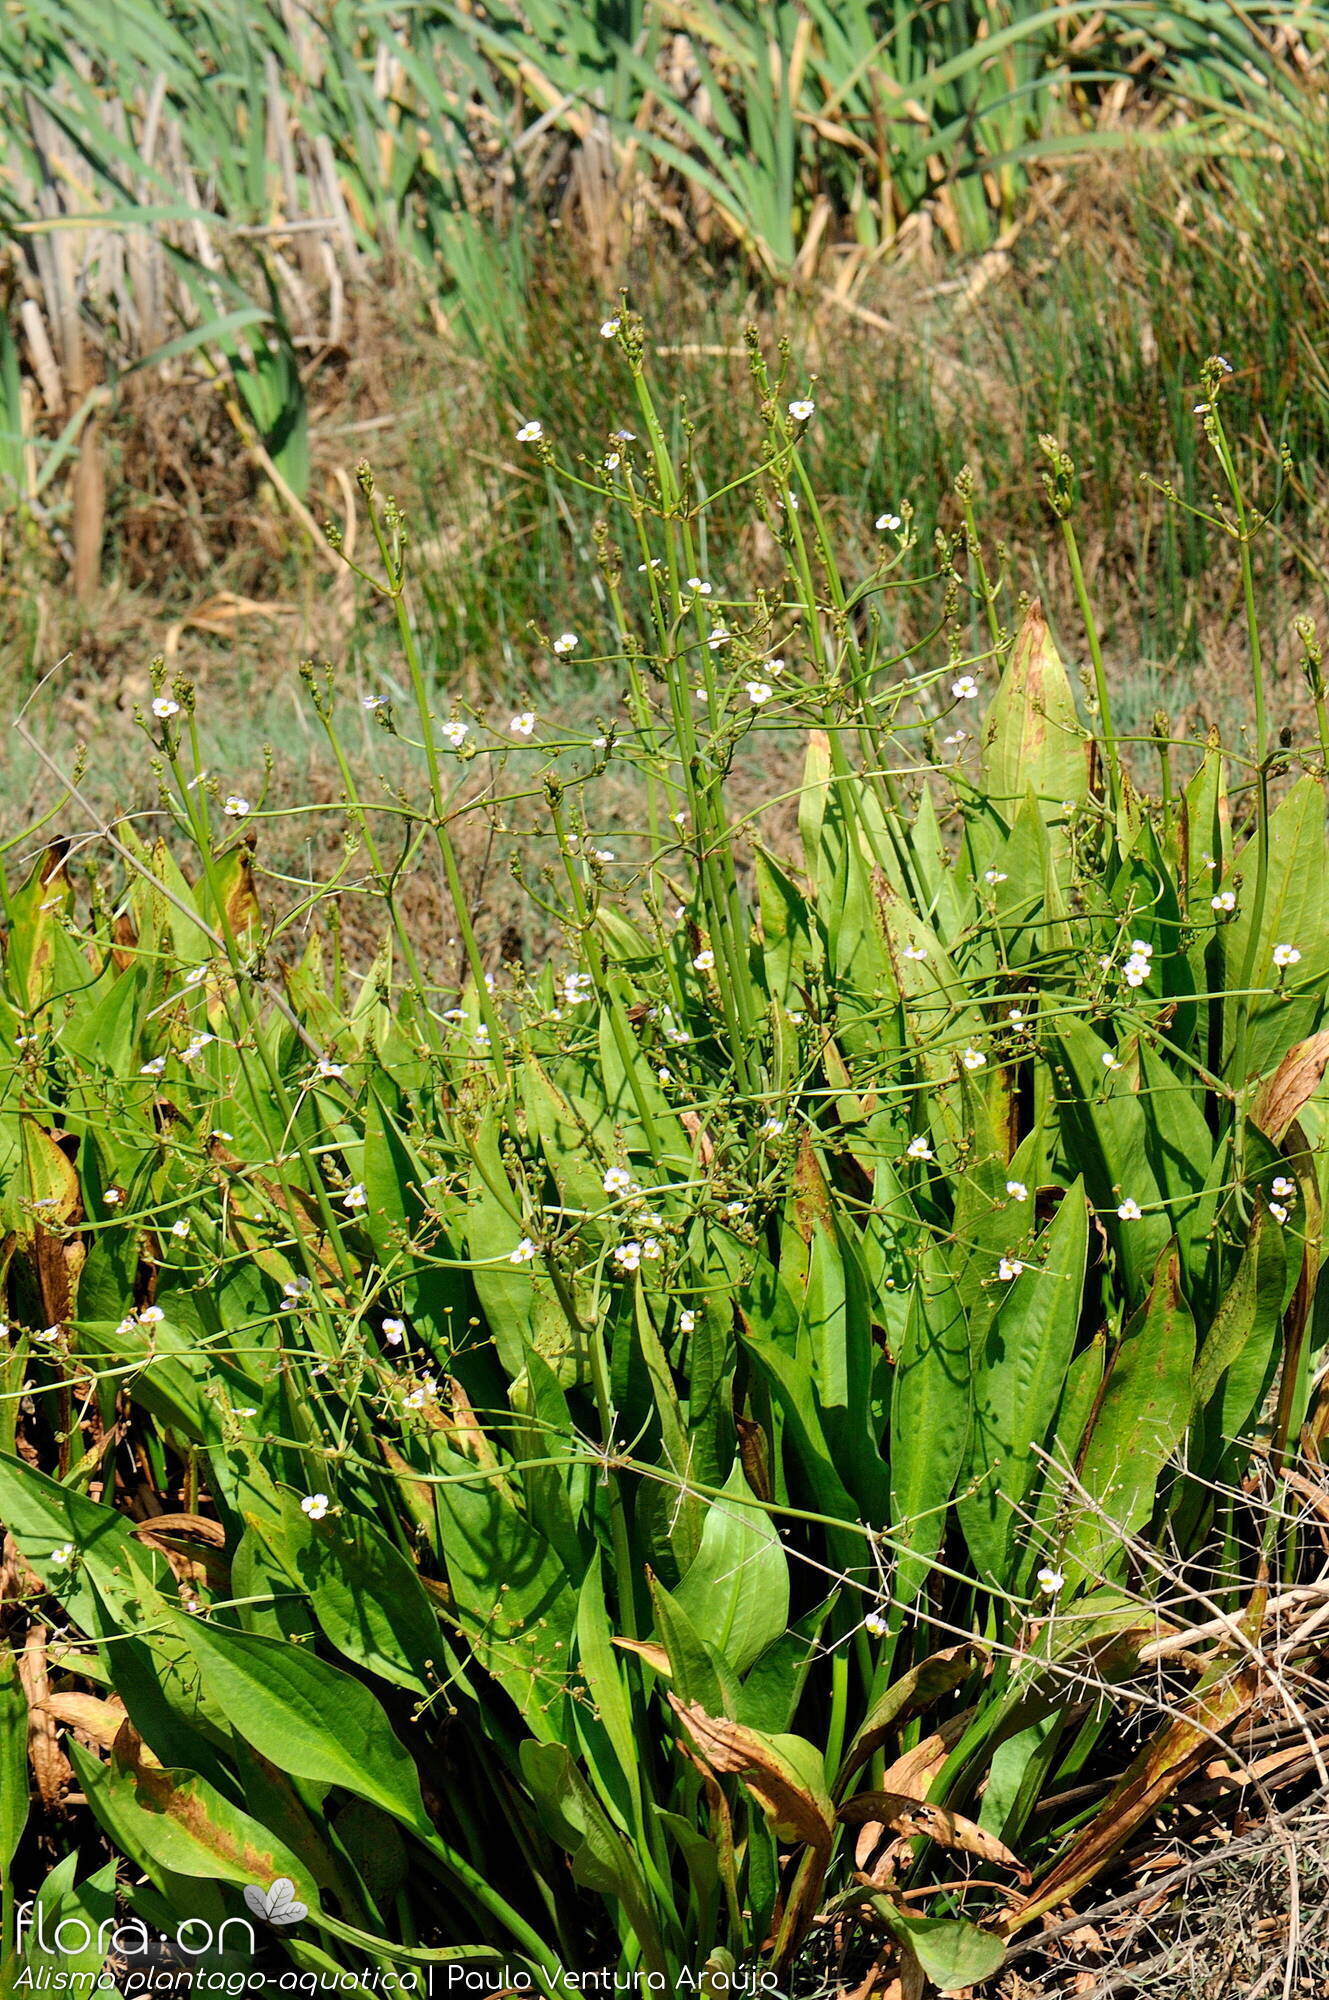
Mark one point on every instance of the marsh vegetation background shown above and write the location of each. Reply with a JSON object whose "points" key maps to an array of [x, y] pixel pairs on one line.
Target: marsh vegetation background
{"points": [[662, 1019]]}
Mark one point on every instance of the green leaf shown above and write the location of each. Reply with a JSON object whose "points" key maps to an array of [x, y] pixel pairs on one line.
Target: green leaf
{"points": [[931, 1412], [13, 1760], [952, 1952], [306, 1717], [1141, 1418], [737, 1590], [1032, 739]]}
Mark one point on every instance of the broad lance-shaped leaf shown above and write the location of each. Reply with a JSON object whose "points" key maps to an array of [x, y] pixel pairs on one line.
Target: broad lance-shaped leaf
{"points": [[931, 1409], [1296, 912], [1032, 739], [602, 1858], [1105, 1136], [307, 1717], [1141, 1418], [736, 1592], [952, 1952], [1018, 1382], [13, 1759], [176, 1821]]}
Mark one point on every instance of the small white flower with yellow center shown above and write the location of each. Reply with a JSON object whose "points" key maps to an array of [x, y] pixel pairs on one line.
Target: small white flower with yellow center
{"points": [[180, 1228], [327, 1068], [235, 806], [875, 1625], [113, 1197], [154, 1066], [973, 1059], [456, 732], [1281, 1186], [1286, 954], [355, 1197], [394, 1331], [965, 689], [64, 1556], [1136, 970], [1009, 1267], [994, 875], [1224, 902], [702, 588], [776, 667], [772, 1128], [650, 1248], [720, 636], [150, 1316], [608, 328], [887, 523], [530, 433], [296, 1288], [523, 1253], [164, 707], [663, 1075], [49, 1334], [371, 703], [612, 460], [918, 1149], [916, 952], [1050, 1581], [704, 961], [315, 1505], [687, 1321], [758, 692], [617, 1180], [1017, 1190], [628, 1256], [566, 642], [1278, 1211], [523, 724], [801, 409], [1129, 1210]]}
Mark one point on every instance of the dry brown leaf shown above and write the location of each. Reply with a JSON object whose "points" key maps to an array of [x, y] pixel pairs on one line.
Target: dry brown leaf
{"points": [[898, 1814], [1291, 1086], [914, 1773], [50, 1767], [90, 1716]]}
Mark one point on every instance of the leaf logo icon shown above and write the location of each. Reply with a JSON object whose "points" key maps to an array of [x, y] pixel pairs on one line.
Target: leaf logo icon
{"points": [[277, 1904]]}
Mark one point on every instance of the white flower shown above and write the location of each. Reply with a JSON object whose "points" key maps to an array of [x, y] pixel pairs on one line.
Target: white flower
{"points": [[795, 1018], [315, 1505], [994, 875], [180, 1228], [244, 1410], [164, 706], [326, 1067], [523, 1253], [1009, 1267], [296, 1288], [64, 1556], [736, 1208], [1280, 1185], [1199, 409], [918, 1149], [1141, 949], [196, 1045], [529, 433], [686, 1321], [374, 701], [960, 736], [197, 976], [720, 636], [114, 1196], [355, 1197], [973, 1059], [704, 960], [49, 1334], [702, 588], [1017, 1190], [772, 1128], [887, 523], [1224, 900], [775, 667], [1050, 1581], [628, 1256], [566, 642], [154, 1066], [650, 1249], [1208, 859], [801, 409], [234, 806], [480, 1035], [664, 1075], [875, 1625], [523, 724], [1286, 954], [612, 460], [576, 987], [917, 952], [1136, 970], [456, 732], [758, 692], [965, 689], [1129, 1210], [617, 1180], [609, 328], [150, 1316], [1277, 1210], [394, 1331], [630, 437]]}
